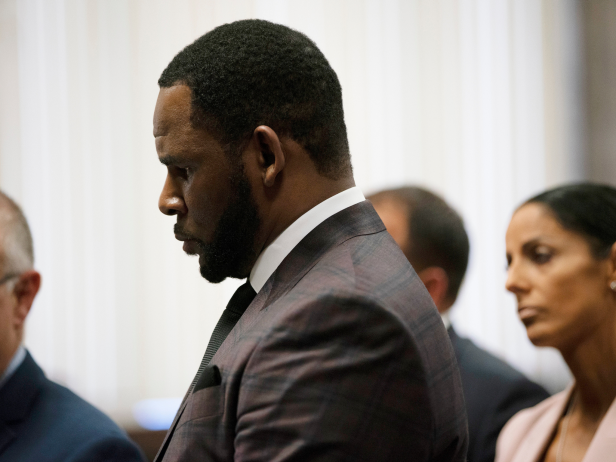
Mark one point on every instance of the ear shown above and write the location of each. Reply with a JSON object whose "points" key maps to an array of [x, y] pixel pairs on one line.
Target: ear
{"points": [[436, 281], [24, 291], [272, 158]]}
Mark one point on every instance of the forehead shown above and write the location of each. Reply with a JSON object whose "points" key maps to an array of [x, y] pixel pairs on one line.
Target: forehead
{"points": [[174, 132], [172, 111], [535, 221]]}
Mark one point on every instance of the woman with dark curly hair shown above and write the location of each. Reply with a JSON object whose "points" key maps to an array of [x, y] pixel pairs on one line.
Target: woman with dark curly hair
{"points": [[561, 254]]}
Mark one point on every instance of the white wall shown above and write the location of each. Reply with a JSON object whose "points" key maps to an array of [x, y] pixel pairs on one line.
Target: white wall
{"points": [[475, 99]]}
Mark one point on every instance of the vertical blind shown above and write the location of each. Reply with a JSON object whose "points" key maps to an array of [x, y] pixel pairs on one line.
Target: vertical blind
{"points": [[474, 99]]}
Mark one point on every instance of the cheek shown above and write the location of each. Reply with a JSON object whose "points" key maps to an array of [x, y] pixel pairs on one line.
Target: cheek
{"points": [[576, 298], [205, 202]]}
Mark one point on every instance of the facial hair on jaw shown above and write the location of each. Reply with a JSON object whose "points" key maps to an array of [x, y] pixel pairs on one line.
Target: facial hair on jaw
{"points": [[231, 251]]}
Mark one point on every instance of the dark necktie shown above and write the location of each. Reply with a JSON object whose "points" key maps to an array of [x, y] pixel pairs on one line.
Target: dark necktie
{"points": [[234, 311], [242, 297]]}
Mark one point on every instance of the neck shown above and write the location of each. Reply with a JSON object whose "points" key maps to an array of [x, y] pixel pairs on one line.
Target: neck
{"points": [[593, 364], [304, 196]]}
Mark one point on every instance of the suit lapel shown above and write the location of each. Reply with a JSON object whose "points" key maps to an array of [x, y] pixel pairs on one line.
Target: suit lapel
{"points": [[603, 444], [357, 220], [6, 436], [536, 441], [16, 398]]}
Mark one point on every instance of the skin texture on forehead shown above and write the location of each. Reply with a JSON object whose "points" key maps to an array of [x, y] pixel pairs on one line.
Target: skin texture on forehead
{"points": [[562, 290]]}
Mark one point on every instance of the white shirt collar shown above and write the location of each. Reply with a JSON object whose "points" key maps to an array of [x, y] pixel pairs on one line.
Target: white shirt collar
{"points": [[273, 254], [446, 320], [18, 358]]}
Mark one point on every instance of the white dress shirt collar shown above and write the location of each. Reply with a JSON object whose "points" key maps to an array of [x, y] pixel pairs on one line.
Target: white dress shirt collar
{"points": [[18, 358], [273, 254], [446, 320]]}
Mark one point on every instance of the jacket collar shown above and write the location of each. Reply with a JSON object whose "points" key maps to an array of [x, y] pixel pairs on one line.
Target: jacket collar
{"points": [[17, 397], [603, 444], [357, 220]]}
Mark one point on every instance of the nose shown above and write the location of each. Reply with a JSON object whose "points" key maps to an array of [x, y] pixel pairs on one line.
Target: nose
{"points": [[171, 201], [515, 280]]}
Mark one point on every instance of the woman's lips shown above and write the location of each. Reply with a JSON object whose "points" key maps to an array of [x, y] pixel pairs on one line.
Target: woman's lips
{"points": [[527, 312]]}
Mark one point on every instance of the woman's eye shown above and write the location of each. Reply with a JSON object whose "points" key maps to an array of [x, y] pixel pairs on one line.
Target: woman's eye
{"points": [[541, 255]]}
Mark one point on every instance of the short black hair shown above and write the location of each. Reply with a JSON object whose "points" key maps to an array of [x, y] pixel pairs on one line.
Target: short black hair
{"points": [[436, 232], [253, 72], [588, 209]]}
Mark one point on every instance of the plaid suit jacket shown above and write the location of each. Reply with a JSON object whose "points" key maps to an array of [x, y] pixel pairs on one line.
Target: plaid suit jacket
{"points": [[341, 356]]}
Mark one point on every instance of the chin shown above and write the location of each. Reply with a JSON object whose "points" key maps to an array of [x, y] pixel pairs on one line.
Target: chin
{"points": [[217, 275], [539, 335]]}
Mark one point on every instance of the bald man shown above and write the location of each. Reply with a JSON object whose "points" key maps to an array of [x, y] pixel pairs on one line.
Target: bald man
{"points": [[39, 419], [432, 236]]}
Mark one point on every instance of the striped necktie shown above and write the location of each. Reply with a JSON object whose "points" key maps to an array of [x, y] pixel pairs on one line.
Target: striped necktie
{"points": [[242, 297]]}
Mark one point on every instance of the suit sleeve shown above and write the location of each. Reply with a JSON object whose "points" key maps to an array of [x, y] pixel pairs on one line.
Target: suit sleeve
{"points": [[338, 379], [109, 449]]}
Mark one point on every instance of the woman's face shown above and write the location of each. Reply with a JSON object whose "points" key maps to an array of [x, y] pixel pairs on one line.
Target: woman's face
{"points": [[562, 291]]}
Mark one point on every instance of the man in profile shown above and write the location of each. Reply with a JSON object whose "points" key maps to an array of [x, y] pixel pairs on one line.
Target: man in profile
{"points": [[332, 349], [432, 236], [39, 419]]}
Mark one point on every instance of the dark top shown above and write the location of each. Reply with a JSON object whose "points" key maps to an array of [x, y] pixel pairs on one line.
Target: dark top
{"points": [[44, 422], [494, 391]]}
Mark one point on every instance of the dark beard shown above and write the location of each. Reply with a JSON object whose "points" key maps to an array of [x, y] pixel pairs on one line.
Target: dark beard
{"points": [[231, 252]]}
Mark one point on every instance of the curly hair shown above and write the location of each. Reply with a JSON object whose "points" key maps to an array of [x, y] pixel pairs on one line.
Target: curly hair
{"points": [[253, 72]]}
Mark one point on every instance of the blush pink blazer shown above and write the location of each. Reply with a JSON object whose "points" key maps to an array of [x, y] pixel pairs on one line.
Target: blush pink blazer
{"points": [[527, 434]]}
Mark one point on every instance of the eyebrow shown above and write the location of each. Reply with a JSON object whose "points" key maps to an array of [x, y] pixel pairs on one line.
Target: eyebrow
{"points": [[532, 243]]}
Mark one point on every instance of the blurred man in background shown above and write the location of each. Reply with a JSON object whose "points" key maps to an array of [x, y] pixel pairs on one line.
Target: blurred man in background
{"points": [[39, 419], [432, 236]]}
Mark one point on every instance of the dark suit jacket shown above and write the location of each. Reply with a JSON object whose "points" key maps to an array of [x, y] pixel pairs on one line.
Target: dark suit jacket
{"points": [[341, 356], [44, 422], [494, 392]]}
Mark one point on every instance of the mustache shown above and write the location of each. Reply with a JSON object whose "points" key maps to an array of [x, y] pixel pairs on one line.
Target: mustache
{"points": [[179, 231]]}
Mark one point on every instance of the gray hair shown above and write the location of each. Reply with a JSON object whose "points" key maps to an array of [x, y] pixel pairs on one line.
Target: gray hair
{"points": [[16, 247]]}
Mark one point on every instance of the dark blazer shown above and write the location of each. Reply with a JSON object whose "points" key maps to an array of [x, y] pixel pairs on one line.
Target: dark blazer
{"points": [[44, 422], [494, 391], [341, 356]]}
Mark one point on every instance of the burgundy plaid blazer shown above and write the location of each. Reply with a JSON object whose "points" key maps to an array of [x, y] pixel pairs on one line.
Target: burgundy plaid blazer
{"points": [[341, 357]]}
